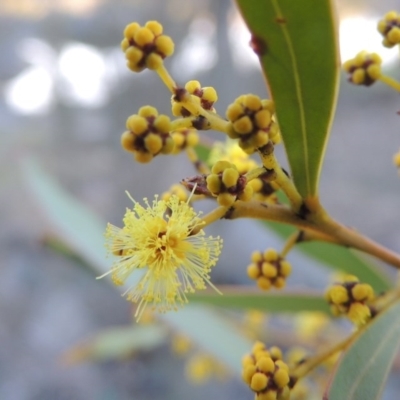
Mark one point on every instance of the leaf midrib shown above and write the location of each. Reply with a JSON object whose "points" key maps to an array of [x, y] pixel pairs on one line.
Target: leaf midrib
{"points": [[298, 92]]}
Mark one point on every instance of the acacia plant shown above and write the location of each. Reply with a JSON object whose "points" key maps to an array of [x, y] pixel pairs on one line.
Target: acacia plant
{"points": [[162, 243]]}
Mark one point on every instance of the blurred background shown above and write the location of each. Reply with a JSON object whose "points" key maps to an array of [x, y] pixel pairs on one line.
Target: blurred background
{"points": [[65, 94]]}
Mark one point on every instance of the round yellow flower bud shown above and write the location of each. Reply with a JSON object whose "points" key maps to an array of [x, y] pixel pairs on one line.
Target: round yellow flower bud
{"points": [[261, 139], [374, 71], [348, 65], [213, 183], [252, 102], [269, 270], [230, 177], [248, 372], [153, 61], [155, 27], [265, 364], [271, 255], [124, 44], [281, 378], [351, 278], [137, 124], [135, 67], [134, 55], [256, 184], [247, 193], [390, 15], [263, 283], [382, 24], [256, 257], [359, 59], [220, 166], [143, 157], [279, 282], [179, 138], [143, 36], [234, 111], [192, 86], [338, 294], [276, 353], [253, 271], [148, 111], [359, 313], [165, 45], [230, 131], [243, 125], [128, 141], [258, 346], [258, 382], [162, 124], [362, 292], [226, 199], [375, 58], [130, 30], [260, 354], [263, 118], [268, 105], [153, 143], [394, 35], [247, 360], [210, 94], [286, 268]]}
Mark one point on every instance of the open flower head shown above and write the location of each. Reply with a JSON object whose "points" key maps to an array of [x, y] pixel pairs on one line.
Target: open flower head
{"points": [[158, 239]]}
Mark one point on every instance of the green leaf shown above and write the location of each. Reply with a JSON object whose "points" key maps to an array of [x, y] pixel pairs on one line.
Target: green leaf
{"points": [[241, 297], [203, 152], [214, 334], [363, 370], [117, 343], [71, 222], [297, 45], [339, 258]]}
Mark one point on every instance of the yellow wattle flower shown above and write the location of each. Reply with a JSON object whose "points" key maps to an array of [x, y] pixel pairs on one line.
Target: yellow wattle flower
{"points": [[157, 239]]}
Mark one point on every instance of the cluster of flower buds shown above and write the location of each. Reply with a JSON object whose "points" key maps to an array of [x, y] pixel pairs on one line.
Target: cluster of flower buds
{"points": [[251, 121], [146, 46], [364, 68], [269, 269], [266, 373], [264, 188], [351, 298], [204, 97], [147, 134], [231, 151], [227, 185], [184, 138], [389, 27]]}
